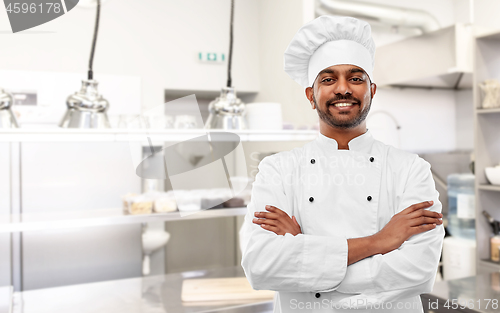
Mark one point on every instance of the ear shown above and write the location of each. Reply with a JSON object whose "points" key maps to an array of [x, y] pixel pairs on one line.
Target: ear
{"points": [[373, 88], [310, 97]]}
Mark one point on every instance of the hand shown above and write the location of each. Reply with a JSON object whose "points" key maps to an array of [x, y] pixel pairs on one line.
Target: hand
{"points": [[277, 221], [411, 221]]}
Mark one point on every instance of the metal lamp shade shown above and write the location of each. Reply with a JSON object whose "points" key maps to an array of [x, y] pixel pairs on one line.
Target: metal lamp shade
{"points": [[7, 118], [227, 111], [86, 108]]}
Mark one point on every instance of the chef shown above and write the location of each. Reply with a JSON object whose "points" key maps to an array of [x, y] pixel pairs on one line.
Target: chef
{"points": [[344, 223]]}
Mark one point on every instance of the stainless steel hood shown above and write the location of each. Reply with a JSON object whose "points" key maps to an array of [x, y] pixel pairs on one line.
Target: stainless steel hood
{"points": [[376, 12], [440, 59]]}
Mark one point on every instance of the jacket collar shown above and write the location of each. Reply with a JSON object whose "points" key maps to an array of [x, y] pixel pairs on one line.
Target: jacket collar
{"points": [[361, 143]]}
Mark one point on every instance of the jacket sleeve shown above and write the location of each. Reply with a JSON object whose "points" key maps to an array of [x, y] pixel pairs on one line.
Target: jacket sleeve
{"points": [[301, 263], [411, 269]]}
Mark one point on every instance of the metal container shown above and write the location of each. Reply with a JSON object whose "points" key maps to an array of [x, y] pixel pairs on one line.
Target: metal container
{"points": [[227, 111], [7, 118], [86, 108]]}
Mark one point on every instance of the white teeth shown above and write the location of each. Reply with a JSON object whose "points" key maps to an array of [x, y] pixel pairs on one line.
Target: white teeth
{"points": [[343, 104]]}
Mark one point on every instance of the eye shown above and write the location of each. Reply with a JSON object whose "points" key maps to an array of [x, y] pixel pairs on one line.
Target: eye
{"points": [[327, 80], [357, 79]]}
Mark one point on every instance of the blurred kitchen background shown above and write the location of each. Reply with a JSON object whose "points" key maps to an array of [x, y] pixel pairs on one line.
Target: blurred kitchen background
{"points": [[74, 214]]}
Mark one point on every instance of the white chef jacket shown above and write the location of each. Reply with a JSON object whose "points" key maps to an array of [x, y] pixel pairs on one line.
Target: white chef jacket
{"points": [[336, 195]]}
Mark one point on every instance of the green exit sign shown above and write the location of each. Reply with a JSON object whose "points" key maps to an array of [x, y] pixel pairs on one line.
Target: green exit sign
{"points": [[211, 57]]}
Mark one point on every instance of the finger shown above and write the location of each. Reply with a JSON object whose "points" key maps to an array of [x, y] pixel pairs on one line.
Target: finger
{"points": [[273, 209], [274, 229], [422, 228], [267, 215], [425, 220], [424, 212], [414, 207], [266, 221], [418, 206]]}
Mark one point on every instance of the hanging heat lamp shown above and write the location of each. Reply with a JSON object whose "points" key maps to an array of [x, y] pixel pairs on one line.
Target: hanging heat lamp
{"points": [[7, 118], [87, 108], [227, 111]]}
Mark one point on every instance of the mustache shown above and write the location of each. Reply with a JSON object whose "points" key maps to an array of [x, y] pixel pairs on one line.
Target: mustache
{"points": [[340, 97]]}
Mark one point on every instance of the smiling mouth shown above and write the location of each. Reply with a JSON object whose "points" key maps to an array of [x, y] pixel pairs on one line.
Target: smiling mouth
{"points": [[343, 104]]}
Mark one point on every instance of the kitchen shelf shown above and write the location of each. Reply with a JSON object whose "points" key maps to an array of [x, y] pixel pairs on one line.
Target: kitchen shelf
{"points": [[489, 266], [486, 146], [203, 93], [486, 111], [138, 135], [490, 262], [489, 187], [102, 217]]}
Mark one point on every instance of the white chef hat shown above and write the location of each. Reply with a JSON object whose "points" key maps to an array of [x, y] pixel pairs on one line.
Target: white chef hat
{"points": [[328, 41]]}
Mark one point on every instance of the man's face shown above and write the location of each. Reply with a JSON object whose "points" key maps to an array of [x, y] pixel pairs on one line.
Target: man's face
{"points": [[342, 95]]}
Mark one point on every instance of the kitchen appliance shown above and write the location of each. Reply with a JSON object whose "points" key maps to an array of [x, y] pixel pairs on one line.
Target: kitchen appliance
{"points": [[448, 65], [7, 118], [86, 108], [227, 111]]}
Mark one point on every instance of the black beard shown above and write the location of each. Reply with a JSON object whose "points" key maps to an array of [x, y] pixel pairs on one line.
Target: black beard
{"points": [[328, 118]]}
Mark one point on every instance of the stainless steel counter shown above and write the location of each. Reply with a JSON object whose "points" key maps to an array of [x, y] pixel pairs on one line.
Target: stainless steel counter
{"points": [[161, 294], [479, 293], [153, 294]]}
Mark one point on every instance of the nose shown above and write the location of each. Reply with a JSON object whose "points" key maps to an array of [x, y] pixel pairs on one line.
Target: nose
{"points": [[342, 87]]}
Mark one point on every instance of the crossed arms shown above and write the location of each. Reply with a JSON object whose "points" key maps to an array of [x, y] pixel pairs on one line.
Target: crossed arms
{"points": [[411, 221]]}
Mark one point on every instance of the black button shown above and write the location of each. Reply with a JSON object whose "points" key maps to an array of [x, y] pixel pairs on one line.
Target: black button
{"points": [[317, 295], [369, 198], [311, 199], [372, 159], [313, 161]]}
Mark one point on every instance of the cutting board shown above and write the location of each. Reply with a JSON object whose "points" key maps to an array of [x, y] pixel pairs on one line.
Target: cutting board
{"points": [[217, 289]]}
